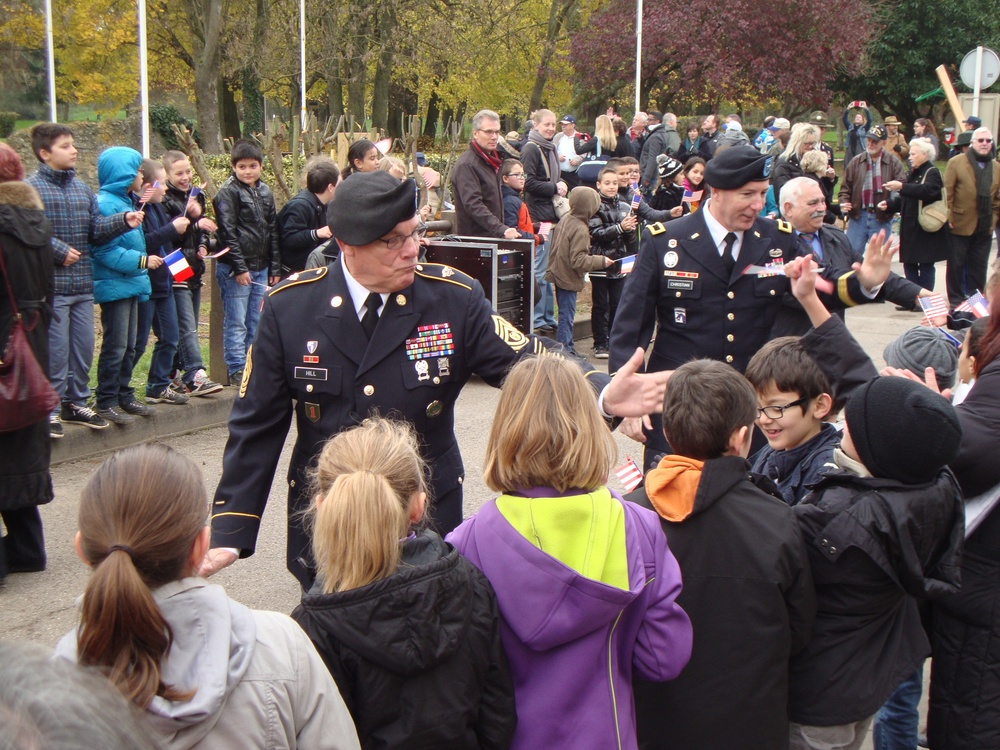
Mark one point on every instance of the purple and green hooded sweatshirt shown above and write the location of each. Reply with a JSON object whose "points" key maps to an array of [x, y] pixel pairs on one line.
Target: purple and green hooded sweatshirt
{"points": [[587, 592]]}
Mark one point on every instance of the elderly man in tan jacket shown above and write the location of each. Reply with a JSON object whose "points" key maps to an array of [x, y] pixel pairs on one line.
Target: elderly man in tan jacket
{"points": [[972, 182]]}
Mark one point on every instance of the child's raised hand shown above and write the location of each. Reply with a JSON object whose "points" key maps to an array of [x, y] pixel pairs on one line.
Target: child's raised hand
{"points": [[629, 223], [676, 212], [181, 224], [193, 209], [135, 218], [153, 262]]}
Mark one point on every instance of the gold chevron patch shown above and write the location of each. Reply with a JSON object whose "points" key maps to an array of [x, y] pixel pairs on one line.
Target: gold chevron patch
{"points": [[509, 334], [247, 369]]}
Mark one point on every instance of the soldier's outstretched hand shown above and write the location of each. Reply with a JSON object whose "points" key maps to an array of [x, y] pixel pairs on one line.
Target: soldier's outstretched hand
{"points": [[635, 394]]}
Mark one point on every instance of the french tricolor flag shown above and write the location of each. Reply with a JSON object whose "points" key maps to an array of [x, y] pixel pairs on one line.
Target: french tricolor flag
{"points": [[178, 266]]}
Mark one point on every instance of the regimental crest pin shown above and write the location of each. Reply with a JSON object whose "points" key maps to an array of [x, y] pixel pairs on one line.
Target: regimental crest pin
{"points": [[447, 271], [311, 346], [672, 243]]}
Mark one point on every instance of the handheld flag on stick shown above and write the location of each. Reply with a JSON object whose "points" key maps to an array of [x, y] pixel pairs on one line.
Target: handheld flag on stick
{"points": [[933, 307], [628, 264], [147, 194], [976, 304], [192, 197], [178, 266], [629, 474], [636, 201]]}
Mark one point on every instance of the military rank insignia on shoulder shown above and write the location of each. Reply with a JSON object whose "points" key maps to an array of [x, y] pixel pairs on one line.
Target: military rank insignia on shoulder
{"points": [[657, 228], [440, 272], [299, 277], [784, 226]]}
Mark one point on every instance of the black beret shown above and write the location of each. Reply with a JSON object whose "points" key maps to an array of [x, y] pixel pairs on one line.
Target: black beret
{"points": [[369, 205], [736, 166]]}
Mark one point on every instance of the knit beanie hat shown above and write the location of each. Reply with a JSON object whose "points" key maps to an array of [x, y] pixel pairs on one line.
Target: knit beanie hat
{"points": [[923, 347], [902, 430]]}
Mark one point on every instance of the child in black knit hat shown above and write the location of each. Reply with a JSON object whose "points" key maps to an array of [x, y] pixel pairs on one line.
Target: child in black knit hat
{"points": [[883, 527]]}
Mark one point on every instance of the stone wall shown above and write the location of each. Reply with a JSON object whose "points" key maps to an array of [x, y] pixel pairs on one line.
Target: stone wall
{"points": [[90, 138]]}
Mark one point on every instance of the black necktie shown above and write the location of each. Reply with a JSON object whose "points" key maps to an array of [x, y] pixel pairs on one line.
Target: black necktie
{"points": [[728, 259], [372, 305]]}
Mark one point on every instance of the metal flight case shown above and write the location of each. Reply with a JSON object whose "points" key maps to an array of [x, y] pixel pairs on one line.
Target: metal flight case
{"points": [[503, 267]]}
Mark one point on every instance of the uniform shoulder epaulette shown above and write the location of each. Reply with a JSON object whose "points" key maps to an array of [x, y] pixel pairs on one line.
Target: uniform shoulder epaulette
{"points": [[440, 272], [783, 226], [299, 277], [657, 228]]}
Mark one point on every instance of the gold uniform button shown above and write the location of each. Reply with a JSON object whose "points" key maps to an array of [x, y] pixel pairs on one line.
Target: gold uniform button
{"points": [[437, 380], [729, 358], [677, 294], [731, 295], [369, 390], [772, 292], [309, 388], [730, 338], [291, 483], [731, 316]]}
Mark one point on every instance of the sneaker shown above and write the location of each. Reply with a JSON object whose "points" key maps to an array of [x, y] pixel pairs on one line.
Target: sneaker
{"points": [[116, 415], [235, 378], [83, 415], [55, 427], [600, 352], [167, 396], [136, 407], [202, 386]]}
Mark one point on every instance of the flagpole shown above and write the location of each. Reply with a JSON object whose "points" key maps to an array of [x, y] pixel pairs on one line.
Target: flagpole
{"points": [[51, 62], [302, 59], [638, 54], [143, 79]]}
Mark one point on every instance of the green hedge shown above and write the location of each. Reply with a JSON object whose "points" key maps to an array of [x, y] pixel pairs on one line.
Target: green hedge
{"points": [[7, 121], [161, 117]]}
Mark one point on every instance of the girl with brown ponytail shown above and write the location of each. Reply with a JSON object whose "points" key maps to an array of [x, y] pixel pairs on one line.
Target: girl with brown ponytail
{"points": [[408, 628], [208, 671]]}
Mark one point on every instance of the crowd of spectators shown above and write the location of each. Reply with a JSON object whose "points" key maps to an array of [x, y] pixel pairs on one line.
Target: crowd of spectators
{"points": [[837, 492]]}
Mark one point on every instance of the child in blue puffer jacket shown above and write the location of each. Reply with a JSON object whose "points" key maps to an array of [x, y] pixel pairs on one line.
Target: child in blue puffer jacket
{"points": [[120, 283]]}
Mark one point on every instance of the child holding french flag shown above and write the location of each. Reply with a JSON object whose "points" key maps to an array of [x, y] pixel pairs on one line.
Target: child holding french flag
{"points": [[159, 312]]}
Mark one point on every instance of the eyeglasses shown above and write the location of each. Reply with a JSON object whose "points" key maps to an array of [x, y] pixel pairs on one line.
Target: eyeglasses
{"points": [[516, 174], [777, 412], [490, 132], [984, 140], [396, 242]]}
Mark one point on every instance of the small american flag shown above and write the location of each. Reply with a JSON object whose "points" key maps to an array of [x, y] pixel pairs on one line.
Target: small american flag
{"points": [[691, 195], [976, 304], [148, 193], [933, 306], [195, 192], [636, 200], [629, 474]]}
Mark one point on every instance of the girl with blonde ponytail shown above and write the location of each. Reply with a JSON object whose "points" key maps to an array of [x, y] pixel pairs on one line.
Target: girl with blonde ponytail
{"points": [[208, 671], [408, 629]]}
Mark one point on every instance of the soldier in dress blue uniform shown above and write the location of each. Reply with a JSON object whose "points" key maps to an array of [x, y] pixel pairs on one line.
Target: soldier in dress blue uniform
{"points": [[375, 331], [689, 282]]}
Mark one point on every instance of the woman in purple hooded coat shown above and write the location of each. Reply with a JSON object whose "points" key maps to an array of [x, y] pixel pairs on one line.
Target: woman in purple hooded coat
{"points": [[585, 583]]}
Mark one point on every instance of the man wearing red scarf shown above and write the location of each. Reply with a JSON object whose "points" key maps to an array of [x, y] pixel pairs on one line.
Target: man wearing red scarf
{"points": [[475, 182]]}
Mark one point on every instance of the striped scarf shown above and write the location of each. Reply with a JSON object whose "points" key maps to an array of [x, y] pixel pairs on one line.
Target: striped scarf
{"points": [[873, 182]]}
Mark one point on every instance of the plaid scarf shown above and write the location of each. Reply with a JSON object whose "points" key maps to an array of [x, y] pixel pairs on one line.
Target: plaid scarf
{"points": [[873, 182]]}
